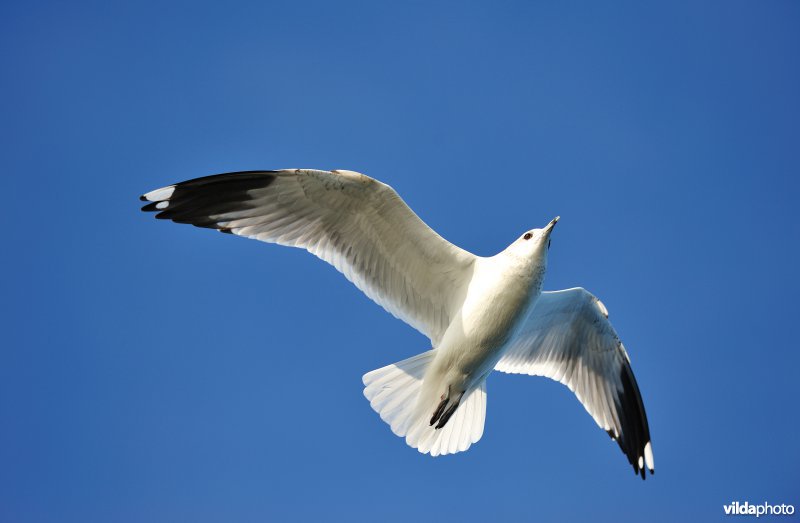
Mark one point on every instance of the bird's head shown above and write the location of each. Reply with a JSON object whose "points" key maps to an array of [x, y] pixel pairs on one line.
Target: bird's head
{"points": [[533, 244]]}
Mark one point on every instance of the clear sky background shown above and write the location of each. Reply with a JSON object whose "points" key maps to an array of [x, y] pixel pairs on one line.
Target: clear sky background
{"points": [[157, 372]]}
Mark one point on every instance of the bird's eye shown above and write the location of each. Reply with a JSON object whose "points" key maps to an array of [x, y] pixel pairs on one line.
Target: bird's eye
{"points": [[528, 236]]}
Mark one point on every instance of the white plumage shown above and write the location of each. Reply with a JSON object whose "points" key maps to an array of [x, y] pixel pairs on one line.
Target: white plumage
{"points": [[480, 314]]}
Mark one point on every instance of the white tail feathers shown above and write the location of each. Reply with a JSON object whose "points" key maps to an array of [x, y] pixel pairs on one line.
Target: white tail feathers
{"points": [[393, 392]]}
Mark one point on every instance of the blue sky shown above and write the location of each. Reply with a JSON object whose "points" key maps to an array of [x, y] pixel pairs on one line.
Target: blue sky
{"points": [[157, 372]]}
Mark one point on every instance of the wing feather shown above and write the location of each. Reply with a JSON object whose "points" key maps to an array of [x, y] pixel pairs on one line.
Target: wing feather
{"points": [[568, 338], [357, 224]]}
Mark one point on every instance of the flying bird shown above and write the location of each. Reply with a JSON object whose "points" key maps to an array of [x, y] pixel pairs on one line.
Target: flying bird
{"points": [[480, 313]]}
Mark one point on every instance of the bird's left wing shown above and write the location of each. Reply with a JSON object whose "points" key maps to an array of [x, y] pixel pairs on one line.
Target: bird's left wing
{"points": [[568, 338], [356, 223]]}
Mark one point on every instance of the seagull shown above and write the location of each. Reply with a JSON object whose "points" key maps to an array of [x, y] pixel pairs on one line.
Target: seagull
{"points": [[480, 313]]}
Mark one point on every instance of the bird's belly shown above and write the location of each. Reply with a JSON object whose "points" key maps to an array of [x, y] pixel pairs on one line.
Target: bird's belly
{"points": [[475, 341]]}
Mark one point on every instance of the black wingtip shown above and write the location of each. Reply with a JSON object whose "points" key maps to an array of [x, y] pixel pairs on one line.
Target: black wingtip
{"points": [[150, 207], [143, 198], [635, 433], [197, 201]]}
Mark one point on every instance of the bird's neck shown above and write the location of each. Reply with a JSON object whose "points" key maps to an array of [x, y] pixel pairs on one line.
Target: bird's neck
{"points": [[527, 271]]}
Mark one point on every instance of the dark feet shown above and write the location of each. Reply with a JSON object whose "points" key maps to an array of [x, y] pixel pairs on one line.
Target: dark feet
{"points": [[445, 409]]}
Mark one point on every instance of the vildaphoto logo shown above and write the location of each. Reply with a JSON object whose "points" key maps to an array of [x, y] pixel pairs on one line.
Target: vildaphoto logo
{"points": [[765, 509]]}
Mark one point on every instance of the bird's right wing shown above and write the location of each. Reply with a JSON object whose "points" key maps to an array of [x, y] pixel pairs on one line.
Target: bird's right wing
{"points": [[567, 337], [356, 223]]}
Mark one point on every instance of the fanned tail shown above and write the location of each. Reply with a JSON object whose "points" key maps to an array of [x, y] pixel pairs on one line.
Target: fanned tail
{"points": [[393, 392]]}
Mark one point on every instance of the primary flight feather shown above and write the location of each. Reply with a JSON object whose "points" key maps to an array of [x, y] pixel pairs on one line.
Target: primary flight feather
{"points": [[480, 313]]}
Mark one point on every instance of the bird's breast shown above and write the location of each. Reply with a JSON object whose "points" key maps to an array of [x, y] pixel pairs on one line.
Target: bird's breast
{"points": [[496, 297], [497, 300]]}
